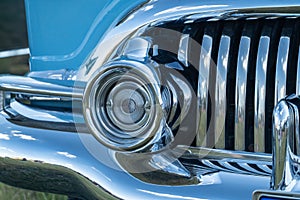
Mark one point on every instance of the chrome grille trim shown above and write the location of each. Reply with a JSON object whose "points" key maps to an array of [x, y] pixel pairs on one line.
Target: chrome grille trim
{"points": [[281, 68], [210, 166], [184, 49], [203, 82], [220, 96], [224, 155], [241, 111], [260, 93], [240, 92]]}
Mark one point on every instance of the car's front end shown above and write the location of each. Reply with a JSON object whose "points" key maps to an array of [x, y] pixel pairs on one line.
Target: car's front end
{"points": [[156, 100]]}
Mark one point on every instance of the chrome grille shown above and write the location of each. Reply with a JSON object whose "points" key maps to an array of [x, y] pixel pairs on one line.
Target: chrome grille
{"points": [[255, 64]]}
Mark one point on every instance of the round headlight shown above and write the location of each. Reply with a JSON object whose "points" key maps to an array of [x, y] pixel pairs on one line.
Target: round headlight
{"points": [[123, 106]]}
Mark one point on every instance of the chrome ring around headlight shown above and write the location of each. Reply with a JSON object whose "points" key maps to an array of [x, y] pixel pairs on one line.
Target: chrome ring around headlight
{"points": [[123, 105]]}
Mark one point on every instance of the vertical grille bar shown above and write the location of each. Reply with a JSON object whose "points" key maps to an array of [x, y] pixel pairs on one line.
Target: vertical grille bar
{"points": [[184, 49], [220, 96], [260, 93], [240, 97], [281, 68], [203, 82]]}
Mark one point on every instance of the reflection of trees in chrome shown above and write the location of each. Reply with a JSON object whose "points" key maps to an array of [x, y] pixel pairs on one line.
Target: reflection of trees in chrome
{"points": [[48, 178]]}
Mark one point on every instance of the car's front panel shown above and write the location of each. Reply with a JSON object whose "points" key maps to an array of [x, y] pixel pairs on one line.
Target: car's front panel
{"points": [[179, 100]]}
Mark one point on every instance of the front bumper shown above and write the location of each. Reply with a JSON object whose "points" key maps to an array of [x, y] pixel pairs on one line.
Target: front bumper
{"points": [[59, 162]]}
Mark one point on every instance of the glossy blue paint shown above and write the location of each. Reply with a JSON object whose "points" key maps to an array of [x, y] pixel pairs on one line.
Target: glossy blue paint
{"points": [[63, 33]]}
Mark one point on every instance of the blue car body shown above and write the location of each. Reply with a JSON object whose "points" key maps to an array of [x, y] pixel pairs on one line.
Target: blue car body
{"points": [[62, 34]]}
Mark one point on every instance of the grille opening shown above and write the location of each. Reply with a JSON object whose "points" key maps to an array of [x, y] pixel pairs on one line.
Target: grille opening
{"points": [[255, 28], [234, 31], [275, 28], [250, 128]]}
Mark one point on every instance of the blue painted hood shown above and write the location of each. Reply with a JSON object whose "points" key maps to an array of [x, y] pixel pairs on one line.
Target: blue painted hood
{"points": [[63, 33]]}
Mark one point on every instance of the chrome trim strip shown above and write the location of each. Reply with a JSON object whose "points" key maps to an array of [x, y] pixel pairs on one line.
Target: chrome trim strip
{"points": [[281, 68], [230, 167], [240, 93], [183, 50], [209, 164], [14, 52], [203, 82], [220, 96], [250, 169], [43, 114], [217, 154], [260, 93], [27, 85], [265, 168]]}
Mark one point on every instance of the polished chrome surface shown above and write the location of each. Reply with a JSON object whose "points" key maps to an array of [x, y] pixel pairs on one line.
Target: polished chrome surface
{"points": [[183, 50], [45, 115], [239, 167], [282, 131], [127, 121], [81, 155], [286, 158], [220, 96], [27, 85], [281, 68], [226, 155], [14, 52], [240, 92], [137, 48], [203, 83], [260, 93]]}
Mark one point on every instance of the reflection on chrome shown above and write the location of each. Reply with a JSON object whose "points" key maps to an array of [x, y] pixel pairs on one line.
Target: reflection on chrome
{"points": [[240, 94], [260, 94], [220, 96], [66, 154], [282, 131], [4, 136], [281, 68], [183, 50], [15, 52], [204, 68], [171, 196], [24, 137], [27, 85]]}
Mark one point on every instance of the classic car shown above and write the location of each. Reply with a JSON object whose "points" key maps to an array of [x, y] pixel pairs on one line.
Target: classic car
{"points": [[158, 99]]}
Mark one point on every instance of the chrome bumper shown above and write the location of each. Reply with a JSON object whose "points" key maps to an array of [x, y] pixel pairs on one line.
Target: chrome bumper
{"points": [[56, 161]]}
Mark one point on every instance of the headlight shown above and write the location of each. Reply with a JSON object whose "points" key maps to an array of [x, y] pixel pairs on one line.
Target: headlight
{"points": [[123, 105], [135, 102]]}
